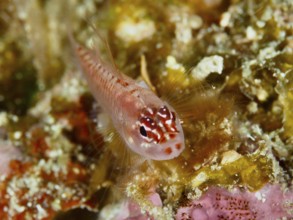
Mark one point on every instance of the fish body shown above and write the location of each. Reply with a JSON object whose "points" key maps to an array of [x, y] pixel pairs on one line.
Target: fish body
{"points": [[147, 124]]}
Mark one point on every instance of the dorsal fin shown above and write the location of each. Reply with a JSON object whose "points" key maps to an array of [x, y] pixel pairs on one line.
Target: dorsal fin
{"points": [[106, 43]]}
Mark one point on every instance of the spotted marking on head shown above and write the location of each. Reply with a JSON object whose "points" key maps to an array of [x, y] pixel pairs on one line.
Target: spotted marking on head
{"points": [[168, 150], [158, 126], [178, 146], [168, 120], [149, 130]]}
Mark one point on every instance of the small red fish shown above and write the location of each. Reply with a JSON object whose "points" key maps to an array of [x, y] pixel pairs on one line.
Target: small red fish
{"points": [[148, 125]]}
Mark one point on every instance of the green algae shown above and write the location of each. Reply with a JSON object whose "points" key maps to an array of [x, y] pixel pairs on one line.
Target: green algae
{"points": [[252, 172]]}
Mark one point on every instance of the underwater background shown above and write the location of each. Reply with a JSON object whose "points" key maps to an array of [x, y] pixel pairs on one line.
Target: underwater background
{"points": [[226, 66]]}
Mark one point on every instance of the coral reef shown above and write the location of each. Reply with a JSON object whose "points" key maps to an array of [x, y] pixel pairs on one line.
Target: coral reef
{"points": [[225, 66]]}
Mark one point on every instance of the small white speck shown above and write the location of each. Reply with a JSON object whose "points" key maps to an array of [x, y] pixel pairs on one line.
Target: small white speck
{"points": [[41, 212], [251, 33], [260, 23], [252, 107], [225, 19], [168, 122], [56, 205], [267, 53], [130, 140], [173, 64], [260, 196], [76, 170], [63, 195], [3, 118], [159, 45], [128, 30], [212, 64], [185, 22], [199, 179], [14, 118], [17, 135]]}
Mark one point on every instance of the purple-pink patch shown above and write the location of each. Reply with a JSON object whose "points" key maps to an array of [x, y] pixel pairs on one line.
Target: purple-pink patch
{"points": [[269, 203]]}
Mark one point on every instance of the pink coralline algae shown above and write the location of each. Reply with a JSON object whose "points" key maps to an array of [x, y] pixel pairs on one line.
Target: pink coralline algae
{"points": [[269, 203], [130, 210]]}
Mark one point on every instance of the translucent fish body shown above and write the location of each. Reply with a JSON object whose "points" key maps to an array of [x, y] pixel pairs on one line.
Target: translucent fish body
{"points": [[148, 125]]}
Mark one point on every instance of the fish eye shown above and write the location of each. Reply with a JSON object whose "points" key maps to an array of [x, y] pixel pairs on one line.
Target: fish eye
{"points": [[143, 131]]}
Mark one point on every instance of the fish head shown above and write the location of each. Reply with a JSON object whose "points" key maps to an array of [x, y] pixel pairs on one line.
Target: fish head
{"points": [[158, 133]]}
